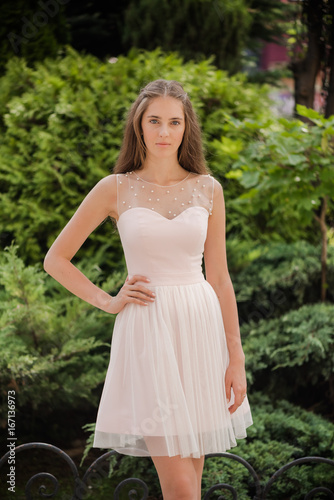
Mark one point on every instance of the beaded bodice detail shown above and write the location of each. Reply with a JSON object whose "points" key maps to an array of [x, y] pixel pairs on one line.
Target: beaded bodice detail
{"points": [[163, 228], [195, 190]]}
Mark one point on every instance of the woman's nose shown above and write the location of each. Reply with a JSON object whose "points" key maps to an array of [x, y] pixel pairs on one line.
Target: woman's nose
{"points": [[163, 131]]}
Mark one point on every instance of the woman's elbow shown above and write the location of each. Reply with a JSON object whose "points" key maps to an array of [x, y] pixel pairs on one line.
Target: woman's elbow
{"points": [[54, 262], [47, 263], [50, 261]]}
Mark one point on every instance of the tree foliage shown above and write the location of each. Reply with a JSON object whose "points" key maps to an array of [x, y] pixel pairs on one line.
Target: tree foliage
{"points": [[196, 28], [286, 171], [311, 44], [193, 28], [31, 29], [61, 130]]}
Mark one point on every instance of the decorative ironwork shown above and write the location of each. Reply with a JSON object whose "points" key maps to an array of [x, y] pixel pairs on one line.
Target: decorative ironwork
{"points": [[99, 470]]}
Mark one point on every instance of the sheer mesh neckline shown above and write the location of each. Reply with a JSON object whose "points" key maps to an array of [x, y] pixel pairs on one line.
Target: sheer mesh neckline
{"points": [[195, 190], [160, 185]]}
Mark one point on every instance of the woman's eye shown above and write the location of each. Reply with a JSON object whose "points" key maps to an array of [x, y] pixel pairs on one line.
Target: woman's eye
{"points": [[174, 122]]}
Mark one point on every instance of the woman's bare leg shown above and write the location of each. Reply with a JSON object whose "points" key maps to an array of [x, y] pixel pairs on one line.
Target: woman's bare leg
{"points": [[180, 478], [198, 465]]}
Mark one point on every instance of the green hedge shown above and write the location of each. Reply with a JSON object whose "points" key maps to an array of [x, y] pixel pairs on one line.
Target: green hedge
{"points": [[54, 346], [61, 126], [281, 433], [48, 335], [293, 356], [271, 279]]}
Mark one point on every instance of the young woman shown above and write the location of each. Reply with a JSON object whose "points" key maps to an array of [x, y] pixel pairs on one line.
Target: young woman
{"points": [[175, 389]]}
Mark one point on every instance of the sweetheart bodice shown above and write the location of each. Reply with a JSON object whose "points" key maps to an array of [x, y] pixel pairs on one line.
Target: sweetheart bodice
{"points": [[162, 239]]}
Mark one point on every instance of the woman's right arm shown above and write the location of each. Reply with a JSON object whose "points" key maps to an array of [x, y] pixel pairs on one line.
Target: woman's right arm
{"points": [[100, 203]]}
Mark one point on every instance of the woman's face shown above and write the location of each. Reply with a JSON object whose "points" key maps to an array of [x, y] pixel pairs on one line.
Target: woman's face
{"points": [[163, 125]]}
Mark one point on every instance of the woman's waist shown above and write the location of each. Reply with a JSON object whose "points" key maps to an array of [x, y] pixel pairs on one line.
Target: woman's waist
{"points": [[170, 278]]}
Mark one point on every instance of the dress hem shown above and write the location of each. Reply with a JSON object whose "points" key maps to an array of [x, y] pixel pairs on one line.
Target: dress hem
{"points": [[140, 453]]}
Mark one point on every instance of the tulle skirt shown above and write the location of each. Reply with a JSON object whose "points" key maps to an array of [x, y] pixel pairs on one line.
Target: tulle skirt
{"points": [[164, 392]]}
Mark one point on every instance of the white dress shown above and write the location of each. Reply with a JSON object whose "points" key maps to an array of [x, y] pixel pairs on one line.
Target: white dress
{"points": [[164, 391]]}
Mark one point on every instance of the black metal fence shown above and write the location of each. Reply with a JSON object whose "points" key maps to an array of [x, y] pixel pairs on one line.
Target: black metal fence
{"points": [[136, 488]]}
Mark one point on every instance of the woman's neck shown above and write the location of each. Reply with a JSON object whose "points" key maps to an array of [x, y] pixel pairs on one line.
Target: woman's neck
{"points": [[164, 172]]}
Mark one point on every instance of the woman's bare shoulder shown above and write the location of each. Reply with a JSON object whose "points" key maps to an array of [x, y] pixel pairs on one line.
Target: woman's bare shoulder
{"points": [[110, 181], [217, 184], [217, 187], [108, 190]]}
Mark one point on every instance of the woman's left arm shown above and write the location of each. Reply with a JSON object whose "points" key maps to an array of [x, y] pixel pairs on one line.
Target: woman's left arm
{"points": [[218, 276]]}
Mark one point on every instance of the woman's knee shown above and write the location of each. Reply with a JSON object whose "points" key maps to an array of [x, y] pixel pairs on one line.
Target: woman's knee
{"points": [[178, 478], [182, 487]]}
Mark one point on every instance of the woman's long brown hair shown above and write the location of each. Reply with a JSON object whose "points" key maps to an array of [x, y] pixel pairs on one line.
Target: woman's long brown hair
{"points": [[133, 150]]}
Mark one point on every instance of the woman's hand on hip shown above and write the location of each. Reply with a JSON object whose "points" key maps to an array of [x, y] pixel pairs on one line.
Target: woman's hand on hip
{"points": [[131, 292]]}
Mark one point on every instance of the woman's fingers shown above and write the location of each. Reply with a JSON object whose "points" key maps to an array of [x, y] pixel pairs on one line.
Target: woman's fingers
{"points": [[142, 296], [235, 379], [138, 293], [228, 386], [239, 391], [138, 277], [132, 292], [238, 400]]}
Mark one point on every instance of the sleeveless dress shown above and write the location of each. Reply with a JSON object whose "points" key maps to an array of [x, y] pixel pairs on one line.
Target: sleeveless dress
{"points": [[164, 391]]}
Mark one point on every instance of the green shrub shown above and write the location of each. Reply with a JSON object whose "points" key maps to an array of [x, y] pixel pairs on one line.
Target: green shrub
{"points": [[281, 433], [293, 356], [285, 167], [54, 346], [270, 280], [61, 129]]}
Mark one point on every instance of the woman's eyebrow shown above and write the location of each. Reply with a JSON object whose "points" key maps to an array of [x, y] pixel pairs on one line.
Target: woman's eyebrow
{"points": [[159, 117]]}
